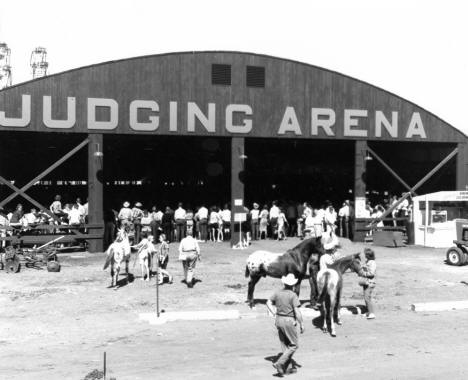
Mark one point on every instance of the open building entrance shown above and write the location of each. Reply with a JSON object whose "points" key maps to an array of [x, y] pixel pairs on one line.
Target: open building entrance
{"points": [[298, 171], [165, 170]]}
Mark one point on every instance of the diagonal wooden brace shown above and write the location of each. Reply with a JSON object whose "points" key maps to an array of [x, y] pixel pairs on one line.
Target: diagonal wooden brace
{"points": [[384, 164], [43, 174], [415, 187], [27, 197]]}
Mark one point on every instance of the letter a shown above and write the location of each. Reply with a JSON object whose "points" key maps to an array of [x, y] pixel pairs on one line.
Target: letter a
{"points": [[416, 127], [289, 122]]}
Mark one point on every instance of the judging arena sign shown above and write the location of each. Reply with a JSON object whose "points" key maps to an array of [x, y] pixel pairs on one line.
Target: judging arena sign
{"points": [[185, 94], [145, 116]]}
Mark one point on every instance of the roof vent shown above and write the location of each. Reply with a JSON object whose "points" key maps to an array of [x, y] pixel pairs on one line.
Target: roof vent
{"points": [[221, 74], [255, 76]]}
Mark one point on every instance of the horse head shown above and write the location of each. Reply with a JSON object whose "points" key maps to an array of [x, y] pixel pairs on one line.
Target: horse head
{"points": [[352, 262], [356, 263], [121, 235]]}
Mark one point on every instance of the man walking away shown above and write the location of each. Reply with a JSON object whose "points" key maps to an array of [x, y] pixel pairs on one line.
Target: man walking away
{"points": [[288, 316], [189, 253]]}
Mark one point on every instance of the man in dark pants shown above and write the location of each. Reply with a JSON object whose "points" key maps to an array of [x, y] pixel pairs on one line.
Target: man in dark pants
{"points": [[287, 315]]}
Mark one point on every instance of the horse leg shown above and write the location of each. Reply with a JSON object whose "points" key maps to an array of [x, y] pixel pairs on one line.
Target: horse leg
{"points": [[313, 284], [112, 272], [323, 312], [297, 287], [337, 311], [116, 278], [253, 281], [332, 312]]}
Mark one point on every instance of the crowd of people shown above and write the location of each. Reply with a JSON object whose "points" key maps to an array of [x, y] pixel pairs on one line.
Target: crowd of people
{"points": [[274, 221], [74, 214]]}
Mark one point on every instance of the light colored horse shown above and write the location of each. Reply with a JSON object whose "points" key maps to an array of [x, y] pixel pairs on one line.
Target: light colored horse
{"points": [[330, 285], [118, 252]]}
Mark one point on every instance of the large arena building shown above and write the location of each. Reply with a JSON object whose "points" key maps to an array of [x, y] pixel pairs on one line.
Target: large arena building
{"points": [[216, 127]]}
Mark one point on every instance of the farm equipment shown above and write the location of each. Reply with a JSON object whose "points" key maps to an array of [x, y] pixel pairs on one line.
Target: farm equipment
{"points": [[46, 255], [458, 255]]}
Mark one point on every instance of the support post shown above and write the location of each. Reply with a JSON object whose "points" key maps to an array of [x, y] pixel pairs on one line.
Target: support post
{"points": [[462, 166], [359, 188], [95, 187], [237, 186]]}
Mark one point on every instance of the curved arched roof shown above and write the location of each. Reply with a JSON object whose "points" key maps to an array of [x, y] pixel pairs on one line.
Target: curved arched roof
{"points": [[298, 100]]}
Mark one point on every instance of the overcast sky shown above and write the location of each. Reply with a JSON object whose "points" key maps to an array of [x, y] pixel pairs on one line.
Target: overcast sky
{"points": [[416, 49]]}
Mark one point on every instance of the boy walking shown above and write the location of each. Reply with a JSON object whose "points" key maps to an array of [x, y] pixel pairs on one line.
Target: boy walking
{"points": [[288, 316]]}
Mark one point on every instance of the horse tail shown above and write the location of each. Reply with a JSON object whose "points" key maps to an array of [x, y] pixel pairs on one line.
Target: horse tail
{"points": [[247, 271], [324, 292], [109, 258]]}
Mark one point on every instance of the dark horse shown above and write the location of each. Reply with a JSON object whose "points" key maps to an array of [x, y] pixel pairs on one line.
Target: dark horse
{"points": [[330, 285], [265, 263]]}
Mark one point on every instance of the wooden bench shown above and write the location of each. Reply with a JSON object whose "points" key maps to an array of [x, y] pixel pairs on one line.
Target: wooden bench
{"points": [[44, 233]]}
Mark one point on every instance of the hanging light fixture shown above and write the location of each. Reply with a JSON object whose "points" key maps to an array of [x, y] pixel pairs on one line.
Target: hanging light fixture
{"points": [[368, 156]]}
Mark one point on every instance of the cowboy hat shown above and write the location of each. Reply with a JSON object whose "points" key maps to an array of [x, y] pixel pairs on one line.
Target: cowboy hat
{"points": [[290, 279], [138, 204], [126, 204]]}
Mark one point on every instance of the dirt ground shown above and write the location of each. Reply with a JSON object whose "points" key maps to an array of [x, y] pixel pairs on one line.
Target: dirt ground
{"points": [[58, 325]]}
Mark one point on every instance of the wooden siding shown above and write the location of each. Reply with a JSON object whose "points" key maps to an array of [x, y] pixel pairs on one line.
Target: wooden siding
{"points": [[186, 77]]}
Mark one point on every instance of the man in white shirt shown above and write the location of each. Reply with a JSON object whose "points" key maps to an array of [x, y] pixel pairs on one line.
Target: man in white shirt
{"points": [[254, 219], [330, 217], [30, 218], [75, 216], [202, 217], [189, 253], [343, 216], [125, 214], [156, 222], [274, 214], [226, 217], [179, 217]]}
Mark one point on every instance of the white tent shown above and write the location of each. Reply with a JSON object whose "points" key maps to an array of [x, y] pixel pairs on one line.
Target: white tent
{"points": [[434, 217]]}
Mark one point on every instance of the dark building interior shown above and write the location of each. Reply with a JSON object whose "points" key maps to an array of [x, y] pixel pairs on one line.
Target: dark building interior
{"points": [[163, 170]]}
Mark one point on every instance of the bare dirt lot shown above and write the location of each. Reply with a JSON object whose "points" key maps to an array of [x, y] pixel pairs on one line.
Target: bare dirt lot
{"points": [[58, 325]]}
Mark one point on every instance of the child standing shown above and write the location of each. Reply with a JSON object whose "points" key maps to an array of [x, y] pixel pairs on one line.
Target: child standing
{"points": [[282, 222], [264, 222], [368, 282], [163, 260], [145, 249]]}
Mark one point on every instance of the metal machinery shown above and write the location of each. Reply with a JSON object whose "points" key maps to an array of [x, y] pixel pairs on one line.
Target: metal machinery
{"points": [[38, 62], [5, 67], [459, 255]]}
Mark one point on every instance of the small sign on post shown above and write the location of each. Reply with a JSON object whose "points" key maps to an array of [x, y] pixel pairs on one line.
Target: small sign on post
{"points": [[240, 217]]}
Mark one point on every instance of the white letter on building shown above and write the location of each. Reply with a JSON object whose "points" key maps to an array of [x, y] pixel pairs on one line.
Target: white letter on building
{"points": [[392, 128], [289, 122], [25, 115], [194, 112], [148, 126], [102, 102], [246, 127], [326, 124], [172, 116], [69, 122], [350, 121], [416, 127]]}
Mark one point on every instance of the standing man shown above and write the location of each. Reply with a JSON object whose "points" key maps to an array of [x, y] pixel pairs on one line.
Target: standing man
{"points": [[254, 218], [274, 214], [180, 221], [189, 253], [288, 316], [202, 217]]}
